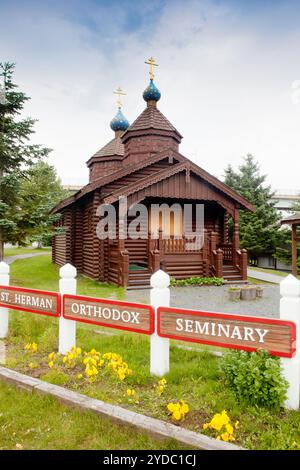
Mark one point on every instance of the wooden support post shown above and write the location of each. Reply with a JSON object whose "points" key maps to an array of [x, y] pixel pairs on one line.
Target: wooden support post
{"points": [[294, 250], [225, 229], [219, 263], [244, 264], [213, 241], [236, 237], [205, 251], [124, 267]]}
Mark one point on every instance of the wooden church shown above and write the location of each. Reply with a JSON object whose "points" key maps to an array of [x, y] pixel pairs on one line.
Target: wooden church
{"points": [[143, 163]]}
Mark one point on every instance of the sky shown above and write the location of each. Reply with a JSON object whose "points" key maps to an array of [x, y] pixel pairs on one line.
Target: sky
{"points": [[229, 75]]}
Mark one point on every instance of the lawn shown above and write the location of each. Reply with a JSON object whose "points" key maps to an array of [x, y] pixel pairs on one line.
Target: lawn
{"points": [[30, 421], [195, 377]]}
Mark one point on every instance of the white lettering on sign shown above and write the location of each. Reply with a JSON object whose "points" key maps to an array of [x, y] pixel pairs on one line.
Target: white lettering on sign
{"points": [[4, 296], [105, 312], [217, 329], [31, 301]]}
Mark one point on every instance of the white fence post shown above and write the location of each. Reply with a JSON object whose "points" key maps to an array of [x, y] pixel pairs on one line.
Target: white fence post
{"points": [[4, 281], [290, 310], [159, 347], [67, 328]]}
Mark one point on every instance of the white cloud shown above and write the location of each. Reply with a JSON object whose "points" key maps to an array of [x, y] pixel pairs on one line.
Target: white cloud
{"points": [[226, 81]]}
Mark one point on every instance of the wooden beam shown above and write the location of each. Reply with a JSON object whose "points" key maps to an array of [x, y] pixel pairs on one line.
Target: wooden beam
{"points": [[294, 250]]}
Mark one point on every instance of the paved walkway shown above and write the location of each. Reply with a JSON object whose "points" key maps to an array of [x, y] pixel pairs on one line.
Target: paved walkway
{"points": [[265, 276], [216, 299], [11, 259]]}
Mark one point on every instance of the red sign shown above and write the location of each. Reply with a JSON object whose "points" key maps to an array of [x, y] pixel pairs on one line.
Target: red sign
{"points": [[128, 316], [30, 300], [228, 331]]}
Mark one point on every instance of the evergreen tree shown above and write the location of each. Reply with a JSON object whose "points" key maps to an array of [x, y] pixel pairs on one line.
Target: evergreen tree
{"points": [[40, 191], [16, 154], [259, 231]]}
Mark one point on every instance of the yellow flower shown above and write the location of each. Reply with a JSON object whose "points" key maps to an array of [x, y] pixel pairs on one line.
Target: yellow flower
{"points": [[79, 376], [221, 423], [171, 407], [65, 359], [78, 351], [33, 347], [51, 364], [225, 417], [225, 436], [31, 365], [51, 356], [229, 428], [176, 415], [130, 392], [185, 408]]}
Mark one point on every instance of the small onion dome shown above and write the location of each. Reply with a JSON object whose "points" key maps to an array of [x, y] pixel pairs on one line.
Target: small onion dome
{"points": [[151, 93], [119, 122]]}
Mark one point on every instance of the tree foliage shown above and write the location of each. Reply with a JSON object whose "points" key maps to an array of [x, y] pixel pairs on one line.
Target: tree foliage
{"points": [[259, 231], [17, 154], [40, 191]]}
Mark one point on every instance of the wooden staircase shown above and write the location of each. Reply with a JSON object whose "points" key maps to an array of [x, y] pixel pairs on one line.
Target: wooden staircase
{"points": [[185, 268], [231, 274], [139, 279]]}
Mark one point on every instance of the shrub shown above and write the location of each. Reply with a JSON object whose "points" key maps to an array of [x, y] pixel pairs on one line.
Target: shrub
{"points": [[197, 281], [255, 377]]}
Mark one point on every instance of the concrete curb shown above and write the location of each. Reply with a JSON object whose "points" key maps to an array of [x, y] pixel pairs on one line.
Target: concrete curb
{"points": [[144, 423]]}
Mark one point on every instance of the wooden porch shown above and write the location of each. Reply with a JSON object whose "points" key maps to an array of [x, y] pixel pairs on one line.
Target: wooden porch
{"points": [[133, 261]]}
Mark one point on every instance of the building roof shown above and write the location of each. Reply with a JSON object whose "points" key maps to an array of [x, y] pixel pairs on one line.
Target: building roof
{"points": [[151, 118], [182, 163], [114, 147], [292, 219]]}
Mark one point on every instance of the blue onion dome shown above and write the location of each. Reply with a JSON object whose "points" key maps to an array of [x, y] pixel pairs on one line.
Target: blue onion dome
{"points": [[119, 122], [151, 93]]}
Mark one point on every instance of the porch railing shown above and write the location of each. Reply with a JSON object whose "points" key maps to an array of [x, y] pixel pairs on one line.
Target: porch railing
{"points": [[242, 263], [227, 250]]}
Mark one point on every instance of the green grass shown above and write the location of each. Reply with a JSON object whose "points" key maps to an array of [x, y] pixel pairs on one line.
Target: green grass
{"points": [[45, 275], [194, 377], [41, 422], [23, 250]]}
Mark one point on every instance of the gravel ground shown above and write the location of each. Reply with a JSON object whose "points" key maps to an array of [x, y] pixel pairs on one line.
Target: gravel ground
{"points": [[215, 299]]}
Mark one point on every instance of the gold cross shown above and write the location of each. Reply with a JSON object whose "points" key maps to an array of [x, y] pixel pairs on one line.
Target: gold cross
{"points": [[119, 92], [152, 63]]}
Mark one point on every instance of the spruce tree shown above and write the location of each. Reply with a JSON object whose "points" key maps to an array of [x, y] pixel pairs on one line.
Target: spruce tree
{"points": [[40, 191], [17, 154], [259, 231]]}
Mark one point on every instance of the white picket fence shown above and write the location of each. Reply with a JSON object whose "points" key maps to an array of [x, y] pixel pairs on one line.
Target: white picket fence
{"points": [[160, 297]]}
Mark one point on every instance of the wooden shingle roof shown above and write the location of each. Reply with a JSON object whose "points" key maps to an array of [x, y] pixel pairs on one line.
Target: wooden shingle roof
{"points": [[292, 219], [114, 147], [151, 118]]}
